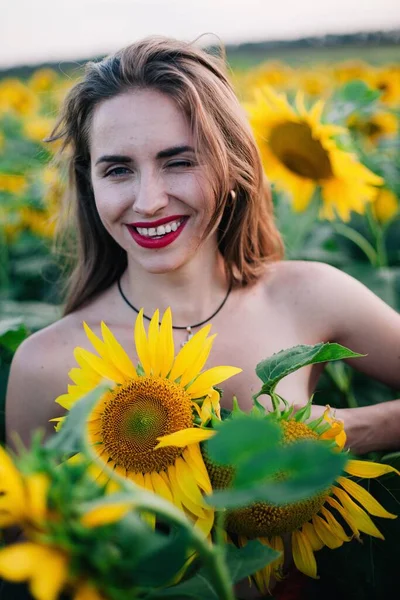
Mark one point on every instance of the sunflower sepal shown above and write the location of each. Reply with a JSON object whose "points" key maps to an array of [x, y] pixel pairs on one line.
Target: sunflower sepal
{"points": [[304, 413], [140, 371]]}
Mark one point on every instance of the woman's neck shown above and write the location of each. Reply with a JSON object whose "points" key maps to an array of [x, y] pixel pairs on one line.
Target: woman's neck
{"points": [[193, 292]]}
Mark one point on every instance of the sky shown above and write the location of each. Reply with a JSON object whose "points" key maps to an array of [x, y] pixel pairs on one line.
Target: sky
{"points": [[34, 31]]}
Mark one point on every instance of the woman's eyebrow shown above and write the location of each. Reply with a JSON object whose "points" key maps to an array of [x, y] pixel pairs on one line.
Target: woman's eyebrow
{"points": [[173, 151], [109, 158], [167, 153]]}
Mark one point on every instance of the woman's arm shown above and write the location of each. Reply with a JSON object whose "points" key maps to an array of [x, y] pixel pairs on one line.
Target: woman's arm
{"points": [[361, 321], [38, 374]]}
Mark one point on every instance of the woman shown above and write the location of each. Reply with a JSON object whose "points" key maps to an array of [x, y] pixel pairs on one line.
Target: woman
{"points": [[172, 209]]}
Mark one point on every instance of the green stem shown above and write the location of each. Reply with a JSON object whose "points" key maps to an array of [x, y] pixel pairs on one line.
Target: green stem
{"points": [[213, 557], [359, 240], [381, 248], [379, 234], [4, 263], [351, 399]]}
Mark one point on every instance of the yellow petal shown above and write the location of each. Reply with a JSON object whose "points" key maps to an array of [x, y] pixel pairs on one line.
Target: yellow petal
{"points": [[361, 519], [194, 459], [103, 515], [100, 366], [205, 524], [197, 365], [155, 352], [12, 492], [345, 514], [325, 533], [365, 498], [160, 487], [96, 342], [183, 495], [117, 354], [171, 483], [141, 344], [303, 555], [166, 342], [18, 562], [206, 410], [334, 525], [66, 401], [189, 353], [37, 486], [87, 592], [84, 380], [188, 483], [44, 567], [204, 382], [276, 543], [50, 576], [137, 478], [150, 518], [184, 437], [312, 536], [367, 469]]}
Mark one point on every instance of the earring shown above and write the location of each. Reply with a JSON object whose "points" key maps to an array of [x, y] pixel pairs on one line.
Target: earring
{"points": [[233, 195]]}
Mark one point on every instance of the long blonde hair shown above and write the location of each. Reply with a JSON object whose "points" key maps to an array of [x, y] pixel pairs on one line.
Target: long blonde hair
{"points": [[198, 82]]}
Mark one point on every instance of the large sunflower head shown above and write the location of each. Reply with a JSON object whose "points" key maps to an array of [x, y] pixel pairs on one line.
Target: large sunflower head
{"points": [[148, 427], [330, 518], [299, 154]]}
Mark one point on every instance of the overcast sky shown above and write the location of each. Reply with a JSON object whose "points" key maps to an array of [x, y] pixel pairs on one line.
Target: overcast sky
{"points": [[40, 30]]}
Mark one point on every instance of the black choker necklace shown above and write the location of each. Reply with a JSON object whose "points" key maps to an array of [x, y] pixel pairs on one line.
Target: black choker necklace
{"points": [[188, 328]]}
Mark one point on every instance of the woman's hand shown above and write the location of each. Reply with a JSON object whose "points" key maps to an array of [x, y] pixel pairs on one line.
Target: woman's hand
{"points": [[368, 428]]}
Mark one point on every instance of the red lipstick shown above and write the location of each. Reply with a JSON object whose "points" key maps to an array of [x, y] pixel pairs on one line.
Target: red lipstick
{"points": [[156, 242], [162, 221]]}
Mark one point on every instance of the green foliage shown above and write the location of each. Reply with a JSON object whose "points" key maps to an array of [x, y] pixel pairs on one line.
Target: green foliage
{"points": [[12, 333], [276, 367]]}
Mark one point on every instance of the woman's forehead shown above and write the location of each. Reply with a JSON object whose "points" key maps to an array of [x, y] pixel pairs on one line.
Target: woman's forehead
{"points": [[144, 117]]}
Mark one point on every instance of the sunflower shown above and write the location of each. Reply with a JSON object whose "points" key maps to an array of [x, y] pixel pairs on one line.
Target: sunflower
{"points": [[299, 153], [45, 566], [374, 127], [148, 427], [387, 81], [311, 523]]}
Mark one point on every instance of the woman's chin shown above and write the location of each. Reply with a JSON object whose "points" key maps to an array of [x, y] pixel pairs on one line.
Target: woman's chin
{"points": [[157, 266]]}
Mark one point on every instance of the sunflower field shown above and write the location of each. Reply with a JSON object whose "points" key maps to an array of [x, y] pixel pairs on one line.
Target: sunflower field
{"points": [[329, 138]]}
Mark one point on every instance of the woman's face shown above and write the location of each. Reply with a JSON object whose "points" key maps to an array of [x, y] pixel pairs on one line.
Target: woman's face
{"points": [[152, 196]]}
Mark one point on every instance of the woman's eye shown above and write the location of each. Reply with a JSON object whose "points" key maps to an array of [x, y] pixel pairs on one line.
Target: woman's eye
{"points": [[180, 163], [117, 171]]}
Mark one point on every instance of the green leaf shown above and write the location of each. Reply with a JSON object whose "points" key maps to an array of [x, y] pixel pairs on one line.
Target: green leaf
{"points": [[311, 466], [243, 562], [253, 434], [276, 367], [71, 438], [258, 467], [159, 565], [12, 333], [196, 588], [358, 92]]}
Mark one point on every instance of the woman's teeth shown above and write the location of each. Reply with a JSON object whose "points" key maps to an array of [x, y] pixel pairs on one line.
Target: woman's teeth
{"points": [[160, 230]]}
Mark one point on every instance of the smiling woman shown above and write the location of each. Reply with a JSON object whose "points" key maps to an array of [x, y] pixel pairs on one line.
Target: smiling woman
{"points": [[170, 207]]}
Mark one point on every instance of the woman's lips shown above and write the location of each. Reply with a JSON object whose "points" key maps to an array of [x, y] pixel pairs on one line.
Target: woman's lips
{"points": [[157, 242]]}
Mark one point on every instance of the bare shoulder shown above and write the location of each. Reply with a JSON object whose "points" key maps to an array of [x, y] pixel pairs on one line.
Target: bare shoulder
{"points": [[39, 373], [317, 286], [338, 308]]}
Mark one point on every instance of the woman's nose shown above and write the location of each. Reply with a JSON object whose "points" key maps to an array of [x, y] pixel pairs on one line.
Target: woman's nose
{"points": [[150, 195]]}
